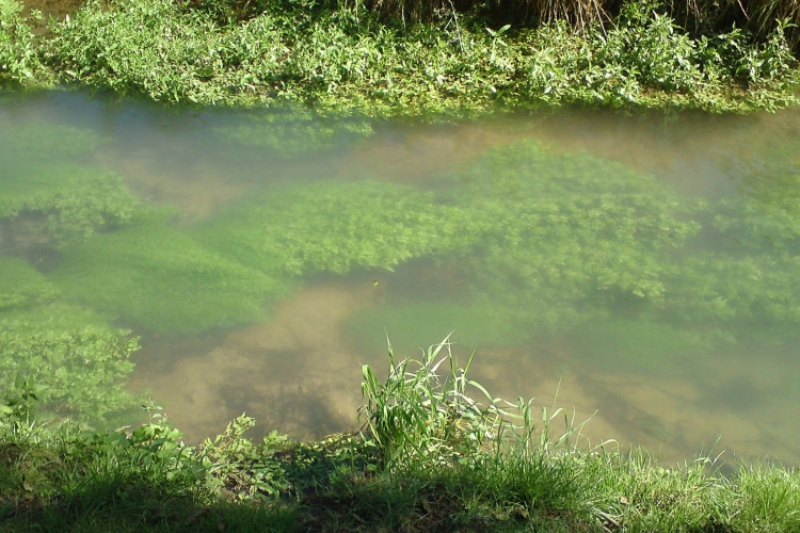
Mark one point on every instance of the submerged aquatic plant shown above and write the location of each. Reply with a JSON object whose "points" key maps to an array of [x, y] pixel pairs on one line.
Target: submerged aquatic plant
{"points": [[336, 227], [155, 276], [64, 201], [22, 286], [49, 192], [765, 214], [566, 237], [43, 141], [73, 354], [289, 133]]}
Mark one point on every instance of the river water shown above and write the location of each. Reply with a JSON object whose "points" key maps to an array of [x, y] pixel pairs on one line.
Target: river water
{"points": [[640, 272]]}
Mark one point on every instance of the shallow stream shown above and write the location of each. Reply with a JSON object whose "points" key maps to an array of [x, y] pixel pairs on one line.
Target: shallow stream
{"points": [[641, 272]]}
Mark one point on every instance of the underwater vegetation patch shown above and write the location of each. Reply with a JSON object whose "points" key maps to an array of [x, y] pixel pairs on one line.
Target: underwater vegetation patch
{"points": [[565, 237], [629, 346], [155, 276], [759, 290], [569, 239], [43, 141], [22, 286], [65, 201], [765, 215], [290, 134], [78, 359], [337, 227], [47, 182]]}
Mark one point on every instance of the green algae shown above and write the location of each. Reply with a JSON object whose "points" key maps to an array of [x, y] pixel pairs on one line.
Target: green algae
{"points": [[337, 227], [155, 276], [70, 351]]}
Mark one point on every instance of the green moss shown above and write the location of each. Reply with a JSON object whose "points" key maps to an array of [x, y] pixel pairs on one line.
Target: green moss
{"points": [[337, 227], [67, 201], [73, 353], [21, 285], [155, 276]]}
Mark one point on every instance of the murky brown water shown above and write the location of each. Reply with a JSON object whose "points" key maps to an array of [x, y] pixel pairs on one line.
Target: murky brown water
{"points": [[299, 370]]}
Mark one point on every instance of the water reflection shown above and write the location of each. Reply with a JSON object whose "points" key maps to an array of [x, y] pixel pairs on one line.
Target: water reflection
{"points": [[640, 377]]}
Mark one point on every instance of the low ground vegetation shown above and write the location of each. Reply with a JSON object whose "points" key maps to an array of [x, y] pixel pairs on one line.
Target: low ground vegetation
{"points": [[350, 60], [429, 457]]}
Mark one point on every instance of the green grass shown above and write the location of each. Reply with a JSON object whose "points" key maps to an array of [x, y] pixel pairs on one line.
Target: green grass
{"points": [[428, 458]]}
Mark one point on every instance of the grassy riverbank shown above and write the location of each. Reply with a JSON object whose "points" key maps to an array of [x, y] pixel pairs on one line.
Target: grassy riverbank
{"points": [[428, 458], [353, 60]]}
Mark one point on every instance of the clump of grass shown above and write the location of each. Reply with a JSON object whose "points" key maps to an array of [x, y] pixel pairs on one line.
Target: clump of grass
{"points": [[417, 415], [428, 455], [764, 497]]}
